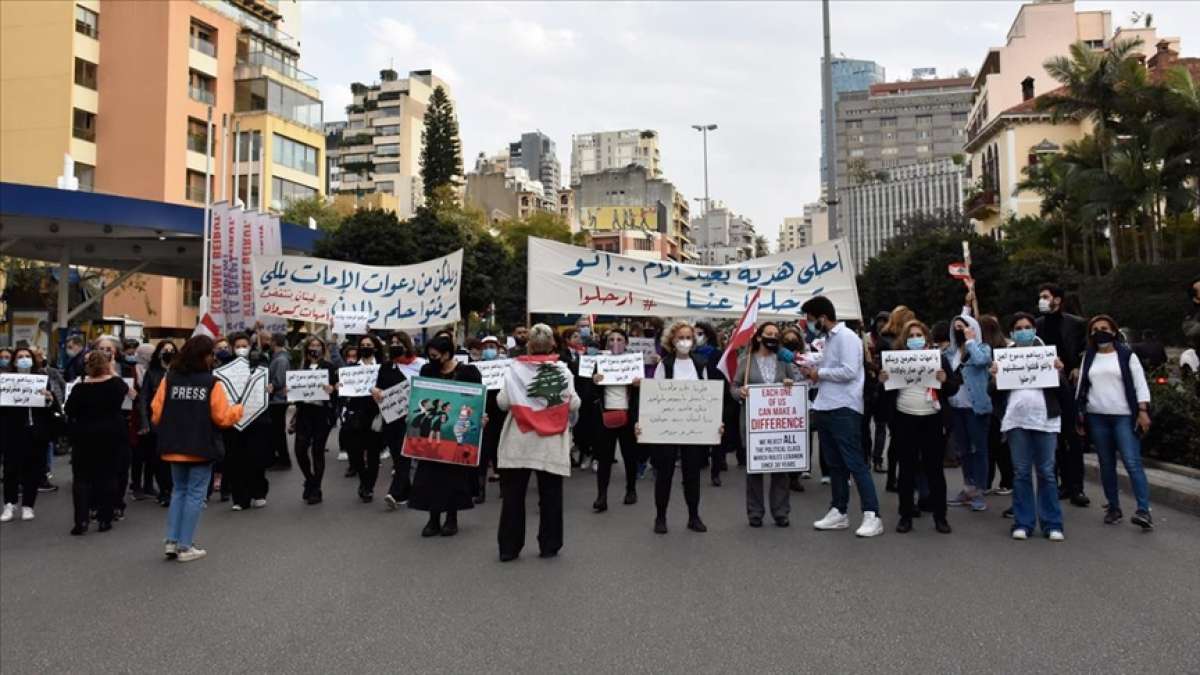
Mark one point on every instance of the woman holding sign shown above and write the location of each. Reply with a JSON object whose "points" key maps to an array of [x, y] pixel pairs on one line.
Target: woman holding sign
{"points": [[26, 430], [617, 404], [761, 365], [439, 487], [363, 424], [313, 421]]}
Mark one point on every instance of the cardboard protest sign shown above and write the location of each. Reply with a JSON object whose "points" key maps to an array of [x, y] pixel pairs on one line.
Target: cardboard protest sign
{"points": [[394, 403], [777, 428], [22, 391], [445, 421], [686, 412], [620, 369], [1026, 367], [911, 367], [308, 385], [357, 380]]}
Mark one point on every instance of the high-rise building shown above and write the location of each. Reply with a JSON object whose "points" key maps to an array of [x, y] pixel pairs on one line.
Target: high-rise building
{"points": [[630, 198], [807, 230], [722, 237], [849, 75], [126, 89], [380, 148], [603, 150], [536, 153], [508, 193]]}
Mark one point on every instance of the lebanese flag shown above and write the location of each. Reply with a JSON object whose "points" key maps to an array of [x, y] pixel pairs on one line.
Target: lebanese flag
{"points": [[538, 388], [207, 327], [740, 338], [959, 270]]}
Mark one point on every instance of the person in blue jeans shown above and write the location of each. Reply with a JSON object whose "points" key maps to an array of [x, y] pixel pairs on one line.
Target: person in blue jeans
{"points": [[1114, 403], [188, 409], [970, 408], [837, 417], [1031, 420]]}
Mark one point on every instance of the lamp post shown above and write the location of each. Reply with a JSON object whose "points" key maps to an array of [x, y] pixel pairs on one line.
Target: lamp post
{"points": [[704, 129]]}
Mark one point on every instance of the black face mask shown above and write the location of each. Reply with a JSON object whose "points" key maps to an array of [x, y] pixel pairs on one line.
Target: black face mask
{"points": [[960, 337], [648, 334], [520, 341], [772, 344], [366, 352], [166, 357], [1103, 337], [792, 345], [314, 354]]}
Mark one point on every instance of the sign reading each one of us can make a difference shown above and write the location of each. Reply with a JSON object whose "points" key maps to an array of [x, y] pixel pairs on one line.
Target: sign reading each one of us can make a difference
{"points": [[777, 428]]}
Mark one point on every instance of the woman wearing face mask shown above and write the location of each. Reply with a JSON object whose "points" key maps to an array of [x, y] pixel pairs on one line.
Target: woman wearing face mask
{"points": [[439, 487], [312, 422], [160, 361], [222, 351], [364, 425], [248, 451], [404, 365], [494, 424], [970, 408], [679, 363], [347, 356], [618, 414], [761, 365], [1031, 420], [111, 346], [919, 439], [1114, 401], [26, 432], [96, 428]]}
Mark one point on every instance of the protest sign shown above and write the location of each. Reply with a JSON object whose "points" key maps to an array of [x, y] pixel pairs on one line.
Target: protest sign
{"points": [[463, 358], [357, 380], [307, 385], [1026, 367], [587, 365], [254, 399], [687, 412], [24, 391], [493, 372], [127, 404], [235, 375], [394, 403], [318, 290], [911, 367], [565, 279], [445, 421], [644, 346], [351, 322], [777, 428], [620, 368]]}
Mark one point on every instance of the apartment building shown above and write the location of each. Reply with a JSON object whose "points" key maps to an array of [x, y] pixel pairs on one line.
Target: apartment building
{"points": [[127, 90], [806, 230], [379, 150], [722, 237], [848, 75], [509, 194], [538, 155], [652, 203], [603, 150]]}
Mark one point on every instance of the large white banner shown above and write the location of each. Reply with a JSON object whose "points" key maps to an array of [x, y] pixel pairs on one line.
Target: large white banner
{"points": [[217, 256], [565, 279], [314, 289]]}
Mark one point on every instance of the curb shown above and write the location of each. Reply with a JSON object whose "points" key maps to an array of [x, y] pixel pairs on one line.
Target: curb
{"points": [[1170, 485]]}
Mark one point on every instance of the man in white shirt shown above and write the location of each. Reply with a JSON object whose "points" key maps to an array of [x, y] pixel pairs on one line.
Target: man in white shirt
{"points": [[837, 417]]}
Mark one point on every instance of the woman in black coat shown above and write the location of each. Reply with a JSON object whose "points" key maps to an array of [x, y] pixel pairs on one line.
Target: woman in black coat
{"points": [[313, 422], [25, 433], [160, 361], [96, 427]]}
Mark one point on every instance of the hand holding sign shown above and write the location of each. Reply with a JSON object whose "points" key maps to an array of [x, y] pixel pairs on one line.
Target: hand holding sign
{"points": [[911, 367], [357, 381], [620, 369], [305, 386], [1026, 367]]}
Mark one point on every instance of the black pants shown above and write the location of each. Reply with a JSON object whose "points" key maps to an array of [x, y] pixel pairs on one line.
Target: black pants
{"points": [[401, 486], [999, 456], [279, 451], [162, 470], [691, 457], [143, 461], [24, 466], [246, 466], [312, 433], [93, 478], [919, 446], [1069, 457], [606, 450], [513, 485], [363, 448]]}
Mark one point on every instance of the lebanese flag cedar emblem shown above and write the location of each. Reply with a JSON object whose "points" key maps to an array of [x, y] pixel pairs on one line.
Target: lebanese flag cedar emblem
{"points": [[538, 388]]}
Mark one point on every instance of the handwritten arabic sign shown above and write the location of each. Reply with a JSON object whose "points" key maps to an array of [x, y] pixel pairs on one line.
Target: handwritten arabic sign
{"points": [[686, 412], [307, 385], [911, 367], [317, 290], [357, 380], [644, 346], [777, 428], [394, 404], [493, 372], [1026, 367], [351, 322], [572, 280], [22, 391], [620, 369]]}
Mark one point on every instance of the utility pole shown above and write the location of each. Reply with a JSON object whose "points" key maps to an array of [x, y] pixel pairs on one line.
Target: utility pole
{"points": [[704, 129], [831, 196]]}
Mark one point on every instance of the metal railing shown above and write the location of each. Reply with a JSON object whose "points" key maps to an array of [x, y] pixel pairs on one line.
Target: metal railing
{"points": [[263, 28], [282, 67], [202, 95], [204, 46]]}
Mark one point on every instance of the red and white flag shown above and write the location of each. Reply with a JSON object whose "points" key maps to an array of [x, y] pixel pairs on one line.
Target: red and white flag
{"points": [[740, 337], [959, 270], [207, 327], [539, 389]]}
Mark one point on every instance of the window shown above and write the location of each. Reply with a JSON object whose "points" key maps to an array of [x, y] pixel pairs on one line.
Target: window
{"points": [[385, 186], [284, 192], [388, 150], [86, 174], [890, 151], [201, 87], [195, 186], [853, 124], [959, 117], [856, 152], [249, 146], [388, 130], [191, 293], [1094, 44], [889, 136], [87, 22], [204, 38], [84, 125], [887, 122], [294, 154], [388, 167], [245, 183], [922, 148], [85, 73], [197, 135], [923, 133], [264, 94], [924, 120]]}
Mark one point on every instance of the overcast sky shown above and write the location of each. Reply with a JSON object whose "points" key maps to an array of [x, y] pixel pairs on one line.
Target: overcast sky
{"points": [[753, 68]]}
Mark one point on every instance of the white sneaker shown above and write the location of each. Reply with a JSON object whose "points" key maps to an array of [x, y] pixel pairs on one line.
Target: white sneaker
{"points": [[834, 520], [343, 457], [385, 455], [595, 466], [824, 480], [390, 502], [8, 513], [191, 554], [871, 526], [26, 513], [257, 503], [236, 507], [171, 550], [1057, 535], [1020, 534]]}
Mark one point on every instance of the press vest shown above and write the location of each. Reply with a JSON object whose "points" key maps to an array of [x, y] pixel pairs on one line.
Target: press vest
{"points": [[186, 425]]}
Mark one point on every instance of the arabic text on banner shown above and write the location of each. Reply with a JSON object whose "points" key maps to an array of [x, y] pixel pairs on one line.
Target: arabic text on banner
{"points": [[23, 391], [307, 385], [686, 412], [1026, 367], [316, 290], [357, 381], [777, 428], [909, 367], [572, 280]]}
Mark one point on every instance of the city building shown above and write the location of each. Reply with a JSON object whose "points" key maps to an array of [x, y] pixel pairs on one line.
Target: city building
{"points": [[872, 208], [603, 150], [848, 75], [536, 153], [134, 120], [722, 237], [631, 197], [634, 243], [894, 124], [509, 195], [807, 230], [379, 150]]}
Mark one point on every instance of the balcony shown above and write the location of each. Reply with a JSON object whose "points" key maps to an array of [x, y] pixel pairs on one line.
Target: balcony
{"points": [[982, 204], [202, 95], [288, 70], [204, 46], [254, 24]]}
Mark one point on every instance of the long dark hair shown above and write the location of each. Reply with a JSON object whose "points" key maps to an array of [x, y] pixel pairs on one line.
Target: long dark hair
{"points": [[193, 357], [155, 358], [38, 365], [711, 337], [756, 341]]}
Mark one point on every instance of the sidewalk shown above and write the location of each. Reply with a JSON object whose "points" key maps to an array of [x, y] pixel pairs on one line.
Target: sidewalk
{"points": [[1170, 484]]}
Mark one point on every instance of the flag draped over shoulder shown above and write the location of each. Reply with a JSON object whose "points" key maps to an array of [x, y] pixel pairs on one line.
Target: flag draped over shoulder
{"points": [[537, 388]]}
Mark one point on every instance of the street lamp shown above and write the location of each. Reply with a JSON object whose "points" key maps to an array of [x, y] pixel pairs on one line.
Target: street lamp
{"points": [[704, 129]]}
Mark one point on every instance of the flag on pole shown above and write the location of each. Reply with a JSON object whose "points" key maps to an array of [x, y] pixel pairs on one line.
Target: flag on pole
{"points": [[207, 327], [960, 270], [740, 337]]}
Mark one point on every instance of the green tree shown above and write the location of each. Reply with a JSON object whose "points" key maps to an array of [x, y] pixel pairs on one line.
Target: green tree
{"points": [[762, 247], [441, 152], [548, 383], [371, 237], [298, 212], [516, 235]]}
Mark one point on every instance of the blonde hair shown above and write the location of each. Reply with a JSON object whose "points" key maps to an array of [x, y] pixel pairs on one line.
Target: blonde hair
{"points": [[668, 338], [901, 341], [898, 320], [541, 339], [97, 364]]}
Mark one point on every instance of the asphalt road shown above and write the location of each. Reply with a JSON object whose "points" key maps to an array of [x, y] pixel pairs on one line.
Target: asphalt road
{"points": [[346, 587]]}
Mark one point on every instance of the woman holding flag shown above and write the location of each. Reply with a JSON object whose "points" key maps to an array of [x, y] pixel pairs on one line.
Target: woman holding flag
{"points": [[539, 396]]}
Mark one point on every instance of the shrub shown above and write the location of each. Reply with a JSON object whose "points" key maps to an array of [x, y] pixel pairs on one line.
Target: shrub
{"points": [[1175, 428]]}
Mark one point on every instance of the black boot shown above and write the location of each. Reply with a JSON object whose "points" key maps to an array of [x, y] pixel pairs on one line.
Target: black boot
{"points": [[450, 528], [601, 504], [434, 527]]}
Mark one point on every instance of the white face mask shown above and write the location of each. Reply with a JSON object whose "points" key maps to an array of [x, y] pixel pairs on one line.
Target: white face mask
{"points": [[700, 339], [683, 347], [242, 352], [1044, 305]]}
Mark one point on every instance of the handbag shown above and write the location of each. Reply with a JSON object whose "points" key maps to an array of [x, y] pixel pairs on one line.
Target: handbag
{"points": [[615, 419]]}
